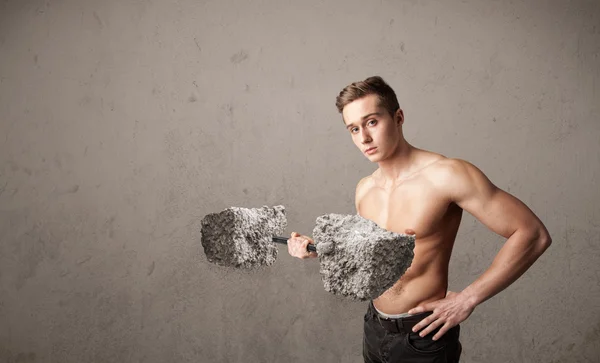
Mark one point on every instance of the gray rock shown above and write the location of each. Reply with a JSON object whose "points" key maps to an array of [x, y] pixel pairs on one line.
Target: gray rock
{"points": [[359, 259], [242, 237]]}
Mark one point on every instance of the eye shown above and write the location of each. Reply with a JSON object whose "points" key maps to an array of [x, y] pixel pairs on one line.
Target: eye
{"points": [[375, 121], [352, 129]]}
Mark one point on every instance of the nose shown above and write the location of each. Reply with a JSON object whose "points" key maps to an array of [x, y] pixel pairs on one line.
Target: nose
{"points": [[366, 138]]}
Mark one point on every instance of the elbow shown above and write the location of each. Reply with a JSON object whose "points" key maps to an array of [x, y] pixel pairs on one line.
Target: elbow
{"points": [[543, 241]]}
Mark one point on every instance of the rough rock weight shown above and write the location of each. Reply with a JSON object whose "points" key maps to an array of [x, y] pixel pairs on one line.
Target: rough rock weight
{"points": [[359, 259], [242, 237]]}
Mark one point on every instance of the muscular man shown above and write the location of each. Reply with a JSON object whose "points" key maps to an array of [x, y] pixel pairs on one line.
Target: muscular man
{"points": [[420, 192]]}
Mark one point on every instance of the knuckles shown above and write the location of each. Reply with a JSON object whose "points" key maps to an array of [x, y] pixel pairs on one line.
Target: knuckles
{"points": [[297, 246]]}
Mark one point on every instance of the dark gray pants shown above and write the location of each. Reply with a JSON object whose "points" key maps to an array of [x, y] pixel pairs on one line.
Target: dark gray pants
{"points": [[391, 341]]}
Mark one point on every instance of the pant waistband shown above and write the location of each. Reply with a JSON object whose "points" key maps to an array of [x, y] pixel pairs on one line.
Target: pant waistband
{"points": [[399, 325]]}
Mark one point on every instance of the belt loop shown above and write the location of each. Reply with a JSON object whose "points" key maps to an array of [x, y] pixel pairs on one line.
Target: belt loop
{"points": [[378, 318], [400, 325], [372, 307]]}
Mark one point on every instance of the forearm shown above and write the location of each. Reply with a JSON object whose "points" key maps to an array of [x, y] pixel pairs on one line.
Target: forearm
{"points": [[519, 252]]}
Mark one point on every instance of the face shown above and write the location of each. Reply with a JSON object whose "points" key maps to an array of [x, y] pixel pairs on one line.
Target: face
{"points": [[372, 126]]}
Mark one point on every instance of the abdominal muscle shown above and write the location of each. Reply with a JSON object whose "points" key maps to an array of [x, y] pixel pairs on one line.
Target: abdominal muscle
{"points": [[426, 280]]}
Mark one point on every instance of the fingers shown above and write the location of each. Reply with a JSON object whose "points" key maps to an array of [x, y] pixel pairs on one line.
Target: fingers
{"points": [[432, 322], [442, 331], [306, 253], [423, 323], [431, 327], [297, 246], [446, 314], [296, 234]]}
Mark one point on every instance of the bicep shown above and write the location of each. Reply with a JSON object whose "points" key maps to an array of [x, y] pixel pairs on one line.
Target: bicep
{"points": [[500, 211]]}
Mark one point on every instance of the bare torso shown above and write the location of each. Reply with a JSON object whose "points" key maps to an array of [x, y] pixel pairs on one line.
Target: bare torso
{"points": [[415, 203]]}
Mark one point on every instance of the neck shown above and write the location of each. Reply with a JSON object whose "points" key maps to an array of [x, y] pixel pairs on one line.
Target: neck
{"points": [[399, 165]]}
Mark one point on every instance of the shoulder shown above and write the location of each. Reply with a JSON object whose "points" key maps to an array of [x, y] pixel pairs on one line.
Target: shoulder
{"points": [[458, 177], [362, 188], [446, 169], [363, 185]]}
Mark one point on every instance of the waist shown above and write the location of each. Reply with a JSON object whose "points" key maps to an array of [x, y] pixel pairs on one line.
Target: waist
{"points": [[390, 316], [410, 292], [396, 323]]}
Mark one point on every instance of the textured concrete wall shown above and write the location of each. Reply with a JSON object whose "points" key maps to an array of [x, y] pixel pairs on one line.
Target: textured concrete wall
{"points": [[122, 123]]}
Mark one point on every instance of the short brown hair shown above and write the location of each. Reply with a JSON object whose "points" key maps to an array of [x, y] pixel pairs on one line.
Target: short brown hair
{"points": [[372, 85]]}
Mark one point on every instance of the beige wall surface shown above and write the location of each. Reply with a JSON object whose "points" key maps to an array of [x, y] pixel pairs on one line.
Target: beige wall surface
{"points": [[123, 123]]}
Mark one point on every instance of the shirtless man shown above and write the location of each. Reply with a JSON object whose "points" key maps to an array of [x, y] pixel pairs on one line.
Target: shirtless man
{"points": [[419, 192]]}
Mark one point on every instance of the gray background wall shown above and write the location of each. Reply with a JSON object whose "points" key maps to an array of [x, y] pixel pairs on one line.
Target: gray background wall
{"points": [[123, 123]]}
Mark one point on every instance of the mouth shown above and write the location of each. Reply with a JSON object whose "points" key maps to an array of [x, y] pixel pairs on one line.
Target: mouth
{"points": [[371, 150]]}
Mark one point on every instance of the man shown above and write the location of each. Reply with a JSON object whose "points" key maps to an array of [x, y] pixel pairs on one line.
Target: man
{"points": [[420, 192]]}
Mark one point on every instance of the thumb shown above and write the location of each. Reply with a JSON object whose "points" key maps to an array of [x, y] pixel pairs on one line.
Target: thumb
{"points": [[451, 293], [419, 309]]}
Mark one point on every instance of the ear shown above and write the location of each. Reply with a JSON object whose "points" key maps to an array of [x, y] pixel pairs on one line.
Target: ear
{"points": [[399, 117]]}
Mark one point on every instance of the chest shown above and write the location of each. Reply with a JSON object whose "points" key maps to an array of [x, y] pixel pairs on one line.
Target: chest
{"points": [[415, 206]]}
